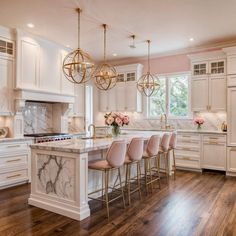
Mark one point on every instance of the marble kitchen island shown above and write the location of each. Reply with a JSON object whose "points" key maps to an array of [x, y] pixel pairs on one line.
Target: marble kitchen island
{"points": [[60, 176]]}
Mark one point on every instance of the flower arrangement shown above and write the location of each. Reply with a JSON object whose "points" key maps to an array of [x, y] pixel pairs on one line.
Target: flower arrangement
{"points": [[199, 121], [116, 120]]}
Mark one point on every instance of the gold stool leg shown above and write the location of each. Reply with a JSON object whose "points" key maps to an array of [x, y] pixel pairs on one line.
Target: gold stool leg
{"points": [[174, 167], [121, 187], [158, 169], [129, 198], [138, 179], [167, 165], [106, 191], [145, 171], [150, 172]]}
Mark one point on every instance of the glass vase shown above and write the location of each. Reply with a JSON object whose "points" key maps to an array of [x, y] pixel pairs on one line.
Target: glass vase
{"points": [[115, 131], [199, 127]]}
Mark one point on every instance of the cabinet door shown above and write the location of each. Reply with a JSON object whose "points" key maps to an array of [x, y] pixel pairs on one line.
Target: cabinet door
{"points": [[217, 67], [200, 93], [6, 85], [112, 99], [231, 159], [214, 155], [200, 68], [231, 116], [79, 100], [217, 93], [121, 97], [103, 99], [231, 65], [29, 65]]}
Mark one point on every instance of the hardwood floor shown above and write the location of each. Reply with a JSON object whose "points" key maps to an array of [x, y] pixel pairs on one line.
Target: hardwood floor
{"points": [[194, 204]]}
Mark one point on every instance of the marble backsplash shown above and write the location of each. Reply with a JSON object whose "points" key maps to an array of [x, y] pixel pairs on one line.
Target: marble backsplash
{"points": [[213, 121], [37, 117]]}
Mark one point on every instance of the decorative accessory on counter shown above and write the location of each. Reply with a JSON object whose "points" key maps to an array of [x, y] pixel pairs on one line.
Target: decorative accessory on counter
{"points": [[77, 65], [199, 121], [224, 127], [3, 132], [116, 120], [105, 75], [148, 83]]}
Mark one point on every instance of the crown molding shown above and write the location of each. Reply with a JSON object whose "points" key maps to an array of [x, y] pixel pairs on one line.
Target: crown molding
{"points": [[196, 49]]}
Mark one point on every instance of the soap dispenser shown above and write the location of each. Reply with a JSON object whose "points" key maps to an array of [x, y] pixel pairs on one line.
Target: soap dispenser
{"points": [[224, 127]]}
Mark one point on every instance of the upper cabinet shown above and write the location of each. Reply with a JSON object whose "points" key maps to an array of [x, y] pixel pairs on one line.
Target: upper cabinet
{"points": [[39, 65], [124, 96], [209, 81]]}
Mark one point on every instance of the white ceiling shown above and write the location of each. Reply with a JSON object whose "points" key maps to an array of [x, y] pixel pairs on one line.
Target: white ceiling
{"points": [[168, 23]]}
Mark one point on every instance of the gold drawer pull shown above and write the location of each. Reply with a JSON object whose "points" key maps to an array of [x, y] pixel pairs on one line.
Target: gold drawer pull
{"points": [[186, 149], [13, 146], [233, 149], [186, 136], [186, 158], [13, 176], [213, 138], [14, 160]]}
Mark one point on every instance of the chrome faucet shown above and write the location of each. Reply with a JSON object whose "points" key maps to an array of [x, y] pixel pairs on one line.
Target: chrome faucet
{"points": [[94, 130]]}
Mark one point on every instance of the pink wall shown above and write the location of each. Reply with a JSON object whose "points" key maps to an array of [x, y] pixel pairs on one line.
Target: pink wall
{"points": [[168, 64]]}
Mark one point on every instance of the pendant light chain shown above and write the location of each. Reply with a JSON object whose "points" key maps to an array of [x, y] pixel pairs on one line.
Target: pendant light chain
{"points": [[78, 10], [148, 41], [105, 42]]}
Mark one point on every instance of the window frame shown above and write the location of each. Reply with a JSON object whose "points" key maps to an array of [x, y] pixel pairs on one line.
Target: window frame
{"points": [[167, 77]]}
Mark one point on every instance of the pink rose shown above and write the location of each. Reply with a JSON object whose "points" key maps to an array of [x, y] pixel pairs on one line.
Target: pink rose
{"points": [[126, 120], [109, 120], [118, 121]]}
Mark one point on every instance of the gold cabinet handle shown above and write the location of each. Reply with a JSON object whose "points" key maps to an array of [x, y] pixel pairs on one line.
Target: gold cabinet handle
{"points": [[186, 136], [13, 176], [14, 160], [213, 138], [13, 146], [184, 158], [233, 149], [186, 149]]}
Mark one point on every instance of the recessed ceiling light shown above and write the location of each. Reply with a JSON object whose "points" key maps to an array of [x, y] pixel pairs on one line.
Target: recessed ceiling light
{"points": [[114, 54], [68, 46], [30, 25], [191, 39]]}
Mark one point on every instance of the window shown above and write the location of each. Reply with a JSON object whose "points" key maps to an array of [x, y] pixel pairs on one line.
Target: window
{"points": [[172, 98], [88, 105]]}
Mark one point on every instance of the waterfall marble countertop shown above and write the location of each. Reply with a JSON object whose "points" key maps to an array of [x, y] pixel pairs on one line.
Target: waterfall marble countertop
{"points": [[202, 131], [78, 145]]}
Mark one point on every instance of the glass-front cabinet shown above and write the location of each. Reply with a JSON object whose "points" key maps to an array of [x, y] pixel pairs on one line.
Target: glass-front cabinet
{"points": [[212, 67]]}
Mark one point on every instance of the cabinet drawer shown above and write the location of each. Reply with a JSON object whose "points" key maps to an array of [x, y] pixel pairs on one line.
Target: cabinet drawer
{"points": [[13, 147], [13, 177], [9, 161], [188, 137], [187, 162], [188, 149], [214, 139]]}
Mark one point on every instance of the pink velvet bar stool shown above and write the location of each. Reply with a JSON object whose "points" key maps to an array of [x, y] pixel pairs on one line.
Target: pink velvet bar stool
{"points": [[164, 152], [150, 156], [133, 156], [114, 160], [172, 146]]}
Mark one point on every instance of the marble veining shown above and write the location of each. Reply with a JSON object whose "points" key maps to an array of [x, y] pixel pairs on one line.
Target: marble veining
{"points": [[56, 176], [37, 117]]}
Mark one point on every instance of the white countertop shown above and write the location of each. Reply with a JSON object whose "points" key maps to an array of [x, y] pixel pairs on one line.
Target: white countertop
{"points": [[77, 145], [202, 131], [5, 140]]}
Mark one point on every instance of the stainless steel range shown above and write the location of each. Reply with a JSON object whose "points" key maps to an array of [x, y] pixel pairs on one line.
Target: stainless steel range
{"points": [[48, 137]]}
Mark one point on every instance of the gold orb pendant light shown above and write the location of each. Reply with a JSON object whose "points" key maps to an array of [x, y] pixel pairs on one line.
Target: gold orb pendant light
{"points": [[77, 65], [105, 75], [148, 83]]}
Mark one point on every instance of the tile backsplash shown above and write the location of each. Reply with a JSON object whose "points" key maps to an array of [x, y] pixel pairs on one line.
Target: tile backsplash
{"points": [[37, 117], [213, 121]]}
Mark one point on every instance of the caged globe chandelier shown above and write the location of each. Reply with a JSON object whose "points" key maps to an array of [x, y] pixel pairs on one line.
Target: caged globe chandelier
{"points": [[105, 75], [77, 65], [148, 83]]}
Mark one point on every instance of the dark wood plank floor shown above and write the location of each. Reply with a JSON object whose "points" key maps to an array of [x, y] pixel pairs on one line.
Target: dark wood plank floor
{"points": [[194, 204]]}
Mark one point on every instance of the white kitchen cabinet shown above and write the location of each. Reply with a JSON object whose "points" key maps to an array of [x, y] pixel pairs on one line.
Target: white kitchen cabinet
{"points": [[188, 151], [231, 60], [209, 82], [6, 85], [15, 163], [108, 100], [79, 105], [217, 93], [200, 93], [124, 96], [214, 152], [28, 64], [231, 116], [231, 160]]}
